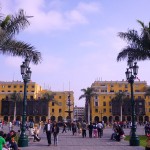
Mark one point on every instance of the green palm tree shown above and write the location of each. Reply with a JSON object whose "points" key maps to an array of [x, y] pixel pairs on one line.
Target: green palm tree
{"points": [[87, 94], [120, 97], [10, 26], [138, 44], [49, 96], [16, 96]]}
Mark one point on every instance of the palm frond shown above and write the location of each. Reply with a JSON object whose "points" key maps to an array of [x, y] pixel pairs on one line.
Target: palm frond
{"points": [[16, 23], [18, 48], [82, 96], [4, 22], [141, 23], [131, 36], [136, 53], [87, 94], [120, 96], [15, 96], [138, 45]]}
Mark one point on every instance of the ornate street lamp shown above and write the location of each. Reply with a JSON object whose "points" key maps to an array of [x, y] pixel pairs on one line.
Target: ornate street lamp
{"points": [[26, 75], [131, 73], [69, 110]]}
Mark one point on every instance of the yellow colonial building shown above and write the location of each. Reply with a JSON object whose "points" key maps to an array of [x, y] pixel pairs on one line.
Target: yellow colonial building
{"points": [[7, 88], [37, 107], [101, 105], [59, 110]]}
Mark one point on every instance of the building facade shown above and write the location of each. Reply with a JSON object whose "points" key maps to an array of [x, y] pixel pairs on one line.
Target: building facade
{"points": [[79, 113], [59, 111], [7, 88], [38, 108], [103, 109]]}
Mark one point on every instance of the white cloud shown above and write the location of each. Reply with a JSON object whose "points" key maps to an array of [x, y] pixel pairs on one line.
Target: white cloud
{"points": [[47, 16]]}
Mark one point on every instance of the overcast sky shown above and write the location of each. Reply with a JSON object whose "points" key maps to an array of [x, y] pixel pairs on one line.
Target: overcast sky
{"points": [[78, 41]]}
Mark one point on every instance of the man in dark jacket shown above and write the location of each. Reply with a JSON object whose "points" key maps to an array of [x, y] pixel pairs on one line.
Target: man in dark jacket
{"points": [[90, 127], [48, 130]]}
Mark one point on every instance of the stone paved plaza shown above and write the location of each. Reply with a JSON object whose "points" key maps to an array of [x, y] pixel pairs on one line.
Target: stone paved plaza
{"points": [[67, 141]]}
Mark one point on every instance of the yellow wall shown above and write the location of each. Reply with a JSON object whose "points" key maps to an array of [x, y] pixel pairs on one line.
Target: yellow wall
{"points": [[106, 91], [61, 98], [36, 91], [7, 88]]}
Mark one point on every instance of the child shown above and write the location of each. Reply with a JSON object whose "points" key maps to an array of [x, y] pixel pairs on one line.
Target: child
{"points": [[35, 133]]}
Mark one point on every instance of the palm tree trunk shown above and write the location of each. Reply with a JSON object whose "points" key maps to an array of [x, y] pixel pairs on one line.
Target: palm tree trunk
{"points": [[121, 113], [15, 112], [88, 113]]}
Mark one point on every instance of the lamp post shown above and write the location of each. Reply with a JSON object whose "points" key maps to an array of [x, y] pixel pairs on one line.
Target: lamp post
{"points": [[26, 75], [131, 76], [69, 110]]}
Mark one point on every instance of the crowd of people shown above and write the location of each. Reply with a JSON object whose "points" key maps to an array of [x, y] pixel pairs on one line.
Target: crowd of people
{"points": [[9, 141], [80, 128], [52, 129]]}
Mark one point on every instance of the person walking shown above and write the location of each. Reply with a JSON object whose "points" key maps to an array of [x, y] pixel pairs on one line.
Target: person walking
{"points": [[95, 130], [74, 128], [55, 130], [84, 129], [100, 129], [64, 127], [10, 126], [90, 127], [48, 130]]}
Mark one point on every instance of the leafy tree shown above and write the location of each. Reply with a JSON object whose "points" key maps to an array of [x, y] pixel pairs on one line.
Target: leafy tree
{"points": [[120, 97], [49, 96], [16, 96], [88, 94], [138, 44], [10, 26]]}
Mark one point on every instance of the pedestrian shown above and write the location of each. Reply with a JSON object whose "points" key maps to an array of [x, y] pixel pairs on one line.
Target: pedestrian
{"points": [[90, 127], [100, 129], [36, 132], [2, 142], [84, 129], [95, 130], [10, 138], [79, 128], [10, 126], [31, 124], [74, 128], [55, 130], [48, 130], [64, 127]]}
